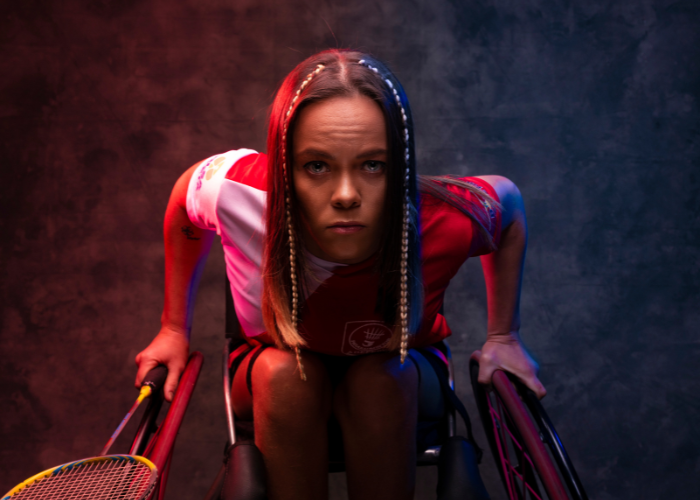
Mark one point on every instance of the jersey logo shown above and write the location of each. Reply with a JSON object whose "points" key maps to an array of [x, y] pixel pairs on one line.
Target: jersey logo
{"points": [[214, 167], [209, 169], [361, 337]]}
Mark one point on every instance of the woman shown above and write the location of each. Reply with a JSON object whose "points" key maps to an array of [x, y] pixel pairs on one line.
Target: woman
{"points": [[345, 291]]}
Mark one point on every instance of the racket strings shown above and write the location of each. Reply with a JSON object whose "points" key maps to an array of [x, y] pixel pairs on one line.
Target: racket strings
{"points": [[101, 480]]}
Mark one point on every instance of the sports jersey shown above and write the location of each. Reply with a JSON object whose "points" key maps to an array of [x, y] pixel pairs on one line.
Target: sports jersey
{"points": [[227, 194]]}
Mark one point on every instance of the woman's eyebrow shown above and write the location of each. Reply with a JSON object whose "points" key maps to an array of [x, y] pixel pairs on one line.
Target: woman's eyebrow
{"points": [[372, 152], [315, 152], [325, 154]]}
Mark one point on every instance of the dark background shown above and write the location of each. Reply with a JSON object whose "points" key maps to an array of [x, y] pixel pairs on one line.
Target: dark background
{"points": [[591, 107]]}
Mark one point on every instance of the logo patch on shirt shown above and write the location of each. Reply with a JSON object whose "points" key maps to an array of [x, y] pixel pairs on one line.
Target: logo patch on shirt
{"points": [[361, 337], [214, 167], [202, 171], [209, 169]]}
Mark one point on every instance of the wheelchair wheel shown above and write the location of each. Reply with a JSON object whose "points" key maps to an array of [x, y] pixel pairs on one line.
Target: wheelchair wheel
{"points": [[529, 455]]}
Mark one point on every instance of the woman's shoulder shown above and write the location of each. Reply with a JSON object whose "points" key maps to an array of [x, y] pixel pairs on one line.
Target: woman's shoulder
{"points": [[245, 166], [468, 206], [436, 189], [221, 182], [248, 167]]}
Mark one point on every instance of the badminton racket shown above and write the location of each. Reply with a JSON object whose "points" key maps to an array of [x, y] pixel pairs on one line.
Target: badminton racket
{"points": [[110, 477], [114, 477]]}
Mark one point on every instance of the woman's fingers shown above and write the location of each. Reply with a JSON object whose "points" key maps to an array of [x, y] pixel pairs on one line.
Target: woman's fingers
{"points": [[174, 372], [486, 370], [145, 365], [513, 358], [533, 383], [168, 348]]}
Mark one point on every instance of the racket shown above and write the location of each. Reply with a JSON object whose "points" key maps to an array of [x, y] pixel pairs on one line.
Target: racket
{"points": [[110, 477], [114, 477]]}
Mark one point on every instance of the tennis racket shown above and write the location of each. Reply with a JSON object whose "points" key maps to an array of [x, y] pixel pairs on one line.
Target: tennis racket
{"points": [[110, 477]]}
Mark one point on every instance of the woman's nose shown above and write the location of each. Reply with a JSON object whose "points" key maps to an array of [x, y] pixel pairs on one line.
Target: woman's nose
{"points": [[346, 194]]}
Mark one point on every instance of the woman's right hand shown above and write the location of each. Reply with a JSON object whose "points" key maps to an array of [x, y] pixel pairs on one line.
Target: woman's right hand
{"points": [[170, 348]]}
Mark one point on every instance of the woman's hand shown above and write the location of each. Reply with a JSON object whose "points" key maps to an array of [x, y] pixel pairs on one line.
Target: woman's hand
{"points": [[507, 353], [169, 348]]}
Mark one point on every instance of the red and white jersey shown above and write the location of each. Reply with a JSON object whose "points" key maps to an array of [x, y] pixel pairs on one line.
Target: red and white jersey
{"points": [[227, 193]]}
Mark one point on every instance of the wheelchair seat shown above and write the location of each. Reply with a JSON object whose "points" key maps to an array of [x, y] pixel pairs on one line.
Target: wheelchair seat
{"points": [[242, 476]]}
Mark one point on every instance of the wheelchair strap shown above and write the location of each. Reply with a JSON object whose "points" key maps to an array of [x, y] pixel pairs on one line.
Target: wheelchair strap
{"points": [[450, 395], [236, 357], [253, 357]]}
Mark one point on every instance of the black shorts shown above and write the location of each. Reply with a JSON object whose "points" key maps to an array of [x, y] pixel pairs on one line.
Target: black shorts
{"points": [[431, 403]]}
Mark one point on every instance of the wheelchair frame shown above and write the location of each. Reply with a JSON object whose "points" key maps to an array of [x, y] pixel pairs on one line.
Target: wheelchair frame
{"points": [[548, 471], [157, 442]]}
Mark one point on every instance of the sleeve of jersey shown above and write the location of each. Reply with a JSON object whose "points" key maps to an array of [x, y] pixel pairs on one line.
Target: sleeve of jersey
{"points": [[489, 215], [205, 186]]}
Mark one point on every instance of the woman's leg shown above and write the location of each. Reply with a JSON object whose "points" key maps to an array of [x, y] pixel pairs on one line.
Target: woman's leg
{"points": [[376, 405], [291, 417]]}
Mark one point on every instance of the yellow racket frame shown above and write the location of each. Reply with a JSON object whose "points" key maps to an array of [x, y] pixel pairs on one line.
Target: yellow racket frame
{"points": [[108, 458]]}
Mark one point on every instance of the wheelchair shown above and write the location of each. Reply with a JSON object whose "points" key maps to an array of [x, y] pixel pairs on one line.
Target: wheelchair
{"points": [[530, 456]]}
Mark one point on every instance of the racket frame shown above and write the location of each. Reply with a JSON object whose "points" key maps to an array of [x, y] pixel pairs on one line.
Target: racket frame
{"points": [[78, 463]]}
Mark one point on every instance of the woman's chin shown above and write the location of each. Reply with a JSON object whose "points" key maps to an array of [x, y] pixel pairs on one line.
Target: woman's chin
{"points": [[346, 255]]}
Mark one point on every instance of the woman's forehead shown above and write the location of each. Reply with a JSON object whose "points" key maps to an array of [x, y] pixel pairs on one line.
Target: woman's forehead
{"points": [[340, 122]]}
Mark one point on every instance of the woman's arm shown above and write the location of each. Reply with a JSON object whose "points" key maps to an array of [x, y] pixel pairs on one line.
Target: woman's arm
{"points": [[503, 272], [186, 250]]}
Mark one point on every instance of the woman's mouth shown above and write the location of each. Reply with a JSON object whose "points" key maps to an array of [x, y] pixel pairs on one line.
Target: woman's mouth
{"points": [[348, 227]]}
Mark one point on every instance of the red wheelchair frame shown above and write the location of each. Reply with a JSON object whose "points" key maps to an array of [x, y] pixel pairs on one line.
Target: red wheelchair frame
{"points": [[157, 442]]}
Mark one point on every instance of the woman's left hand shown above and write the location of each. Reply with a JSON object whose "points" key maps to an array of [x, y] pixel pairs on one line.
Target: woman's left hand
{"points": [[507, 353]]}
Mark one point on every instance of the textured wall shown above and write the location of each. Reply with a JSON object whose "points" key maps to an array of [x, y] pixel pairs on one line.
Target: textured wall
{"points": [[590, 107]]}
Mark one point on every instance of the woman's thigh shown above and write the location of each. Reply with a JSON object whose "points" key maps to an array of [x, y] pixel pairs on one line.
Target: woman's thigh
{"points": [[376, 387], [376, 405], [274, 380]]}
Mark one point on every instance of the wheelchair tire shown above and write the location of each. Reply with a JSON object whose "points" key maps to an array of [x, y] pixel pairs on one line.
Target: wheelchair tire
{"points": [[529, 454]]}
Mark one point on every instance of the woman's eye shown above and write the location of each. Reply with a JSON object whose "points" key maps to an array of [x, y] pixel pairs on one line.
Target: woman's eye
{"points": [[374, 166], [316, 167]]}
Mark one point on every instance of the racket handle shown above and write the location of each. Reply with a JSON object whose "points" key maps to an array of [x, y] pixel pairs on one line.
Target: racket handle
{"points": [[155, 379]]}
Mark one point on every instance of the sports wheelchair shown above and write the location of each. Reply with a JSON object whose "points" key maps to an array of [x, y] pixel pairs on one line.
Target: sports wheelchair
{"points": [[529, 454], [530, 457]]}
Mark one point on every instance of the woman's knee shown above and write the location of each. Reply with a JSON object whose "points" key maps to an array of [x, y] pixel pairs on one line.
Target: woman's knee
{"points": [[282, 395]]}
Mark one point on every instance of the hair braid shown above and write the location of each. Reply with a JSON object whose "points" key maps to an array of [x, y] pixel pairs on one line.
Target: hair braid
{"points": [[403, 303], [290, 226]]}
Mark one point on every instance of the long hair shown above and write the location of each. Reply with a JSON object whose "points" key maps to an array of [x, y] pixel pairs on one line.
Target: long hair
{"points": [[344, 73]]}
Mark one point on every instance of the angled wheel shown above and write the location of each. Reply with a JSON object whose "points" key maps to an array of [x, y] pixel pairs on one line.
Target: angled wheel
{"points": [[530, 457]]}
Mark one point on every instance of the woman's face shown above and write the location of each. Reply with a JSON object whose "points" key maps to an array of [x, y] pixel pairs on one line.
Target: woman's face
{"points": [[340, 156]]}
